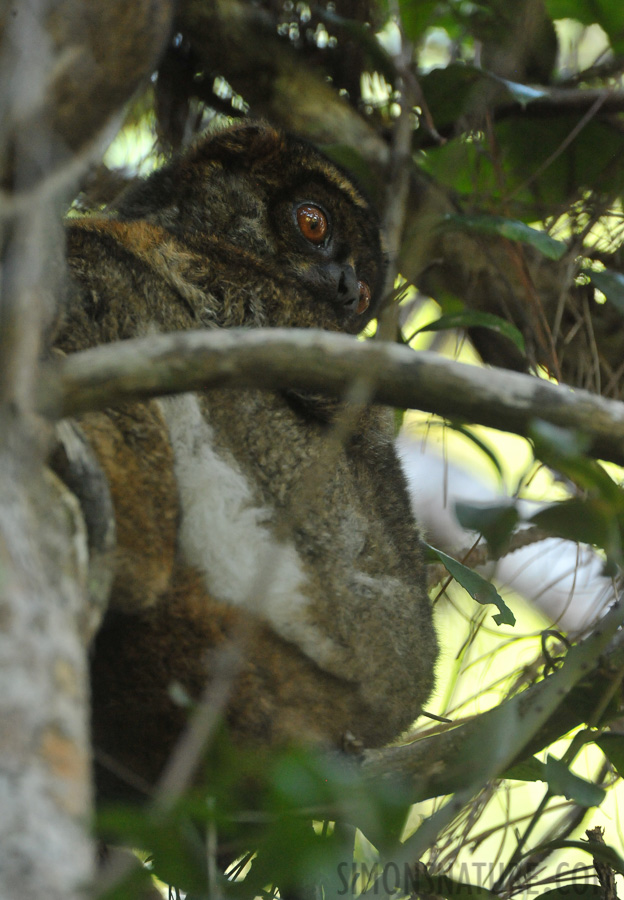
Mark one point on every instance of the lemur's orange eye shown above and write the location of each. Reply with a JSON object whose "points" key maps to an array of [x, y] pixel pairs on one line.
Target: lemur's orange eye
{"points": [[312, 223], [365, 297]]}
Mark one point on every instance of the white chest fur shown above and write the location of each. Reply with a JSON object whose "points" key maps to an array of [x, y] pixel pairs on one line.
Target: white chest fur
{"points": [[229, 538]]}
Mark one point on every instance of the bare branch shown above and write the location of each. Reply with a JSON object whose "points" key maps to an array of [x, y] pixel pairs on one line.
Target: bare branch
{"points": [[563, 100], [319, 361]]}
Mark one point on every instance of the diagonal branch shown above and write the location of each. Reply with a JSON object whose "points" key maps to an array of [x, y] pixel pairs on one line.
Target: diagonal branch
{"points": [[518, 727]]}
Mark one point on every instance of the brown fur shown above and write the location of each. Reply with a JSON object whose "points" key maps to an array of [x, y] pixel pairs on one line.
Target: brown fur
{"points": [[210, 241]]}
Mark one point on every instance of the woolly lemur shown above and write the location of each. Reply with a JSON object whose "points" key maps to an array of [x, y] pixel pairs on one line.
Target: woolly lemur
{"points": [[234, 523]]}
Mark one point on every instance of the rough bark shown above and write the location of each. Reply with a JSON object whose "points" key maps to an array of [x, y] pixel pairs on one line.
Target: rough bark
{"points": [[62, 77], [44, 735]]}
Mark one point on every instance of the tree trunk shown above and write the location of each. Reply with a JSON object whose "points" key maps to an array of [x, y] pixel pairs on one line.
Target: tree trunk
{"points": [[44, 757]]}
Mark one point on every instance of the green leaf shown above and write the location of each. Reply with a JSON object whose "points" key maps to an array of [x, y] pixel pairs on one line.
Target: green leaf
{"points": [[596, 519], [443, 886], [585, 889], [612, 745], [175, 844], [587, 521], [138, 883], [495, 522], [540, 168], [531, 769], [512, 229], [593, 160], [299, 779], [290, 855], [460, 166], [611, 284], [562, 449], [449, 92], [557, 443], [479, 589], [416, 16], [477, 320], [562, 781]]}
